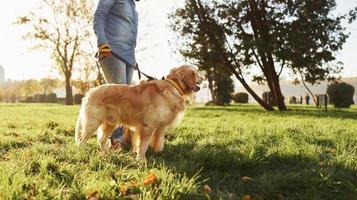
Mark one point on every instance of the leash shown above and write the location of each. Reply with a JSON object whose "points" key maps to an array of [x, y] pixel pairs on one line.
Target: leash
{"points": [[136, 67]]}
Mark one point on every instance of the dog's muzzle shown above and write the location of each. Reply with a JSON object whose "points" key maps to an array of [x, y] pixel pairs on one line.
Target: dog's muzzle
{"points": [[197, 88]]}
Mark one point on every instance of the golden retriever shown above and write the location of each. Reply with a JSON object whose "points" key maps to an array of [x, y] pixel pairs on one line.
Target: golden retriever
{"points": [[148, 109]]}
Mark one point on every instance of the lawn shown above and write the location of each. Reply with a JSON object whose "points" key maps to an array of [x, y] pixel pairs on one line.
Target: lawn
{"points": [[234, 152]]}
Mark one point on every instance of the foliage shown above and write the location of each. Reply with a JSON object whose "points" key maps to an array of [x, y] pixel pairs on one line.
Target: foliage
{"points": [[11, 91], [197, 49], [225, 89], [235, 150], [61, 27], [19, 90], [85, 80], [49, 84], [31, 87], [301, 36], [341, 94], [241, 97]]}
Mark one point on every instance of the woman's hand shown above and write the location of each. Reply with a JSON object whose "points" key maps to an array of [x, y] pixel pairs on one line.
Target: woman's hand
{"points": [[104, 51]]}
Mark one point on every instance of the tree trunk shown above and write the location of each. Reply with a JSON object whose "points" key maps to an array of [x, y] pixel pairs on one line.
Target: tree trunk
{"points": [[254, 95], [261, 33], [211, 87], [279, 98], [274, 85], [69, 93]]}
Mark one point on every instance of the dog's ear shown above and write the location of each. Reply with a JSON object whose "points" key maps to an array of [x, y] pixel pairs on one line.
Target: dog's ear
{"points": [[174, 74], [189, 79]]}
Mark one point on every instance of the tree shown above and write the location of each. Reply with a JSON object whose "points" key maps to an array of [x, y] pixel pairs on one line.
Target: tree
{"points": [[198, 50], [87, 78], [271, 35], [48, 84], [62, 27], [341, 94], [31, 87], [11, 91], [225, 89]]}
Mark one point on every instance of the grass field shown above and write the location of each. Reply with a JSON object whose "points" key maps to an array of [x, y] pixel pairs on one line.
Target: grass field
{"points": [[239, 152]]}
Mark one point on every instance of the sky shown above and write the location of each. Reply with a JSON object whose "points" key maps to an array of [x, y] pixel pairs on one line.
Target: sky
{"points": [[21, 63]]}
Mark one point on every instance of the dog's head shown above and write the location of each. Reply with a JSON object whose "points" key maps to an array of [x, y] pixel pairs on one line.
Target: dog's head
{"points": [[187, 77]]}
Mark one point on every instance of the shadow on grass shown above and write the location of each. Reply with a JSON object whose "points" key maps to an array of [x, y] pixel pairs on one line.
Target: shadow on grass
{"points": [[273, 176], [309, 111]]}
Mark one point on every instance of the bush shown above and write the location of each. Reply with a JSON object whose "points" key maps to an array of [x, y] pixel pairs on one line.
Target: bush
{"points": [[292, 100], [28, 99], [341, 94], [51, 98], [78, 98], [240, 97], [40, 98], [61, 100]]}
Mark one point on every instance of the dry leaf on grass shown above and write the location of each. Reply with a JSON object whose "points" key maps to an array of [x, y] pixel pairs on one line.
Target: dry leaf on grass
{"points": [[333, 150], [123, 190], [207, 189], [133, 183], [6, 157], [246, 178], [246, 197], [92, 195], [150, 179], [280, 196]]}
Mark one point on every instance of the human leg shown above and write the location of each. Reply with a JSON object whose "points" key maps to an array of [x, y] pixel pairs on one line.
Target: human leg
{"points": [[114, 71]]}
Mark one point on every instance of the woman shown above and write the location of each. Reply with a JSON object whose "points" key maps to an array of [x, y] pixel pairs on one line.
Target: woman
{"points": [[116, 25]]}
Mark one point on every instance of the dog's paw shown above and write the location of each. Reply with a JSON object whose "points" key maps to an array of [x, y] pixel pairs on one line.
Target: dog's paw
{"points": [[104, 148], [140, 158], [158, 148]]}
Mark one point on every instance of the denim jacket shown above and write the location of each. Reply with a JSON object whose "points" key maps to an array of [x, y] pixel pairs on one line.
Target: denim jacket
{"points": [[116, 23]]}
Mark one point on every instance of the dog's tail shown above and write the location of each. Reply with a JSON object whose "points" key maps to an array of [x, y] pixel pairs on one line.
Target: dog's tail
{"points": [[78, 133], [79, 124]]}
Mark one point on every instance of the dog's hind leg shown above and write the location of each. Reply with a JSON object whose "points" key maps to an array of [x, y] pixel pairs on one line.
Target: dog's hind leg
{"points": [[157, 140], [105, 131], [86, 129]]}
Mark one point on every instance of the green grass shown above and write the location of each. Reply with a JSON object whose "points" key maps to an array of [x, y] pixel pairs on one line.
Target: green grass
{"points": [[303, 153]]}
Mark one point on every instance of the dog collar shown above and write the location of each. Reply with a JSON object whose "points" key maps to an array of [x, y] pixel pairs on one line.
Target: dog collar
{"points": [[177, 86]]}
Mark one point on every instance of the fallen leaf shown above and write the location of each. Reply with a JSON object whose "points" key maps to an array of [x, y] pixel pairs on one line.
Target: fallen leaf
{"points": [[6, 157], [28, 154], [150, 179], [322, 163], [207, 189], [280, 196], [123, 190], [133, 183], [246, 178], [246, 197], [92, 195], [333, 150]]}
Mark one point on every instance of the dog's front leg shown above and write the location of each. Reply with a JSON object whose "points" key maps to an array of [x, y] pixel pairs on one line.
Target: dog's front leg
{"points": [[143, 143]]}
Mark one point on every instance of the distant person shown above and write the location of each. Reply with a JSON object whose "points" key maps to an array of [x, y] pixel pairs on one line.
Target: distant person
{"points": [[307, 99], [116, 28], [301, 99]]}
